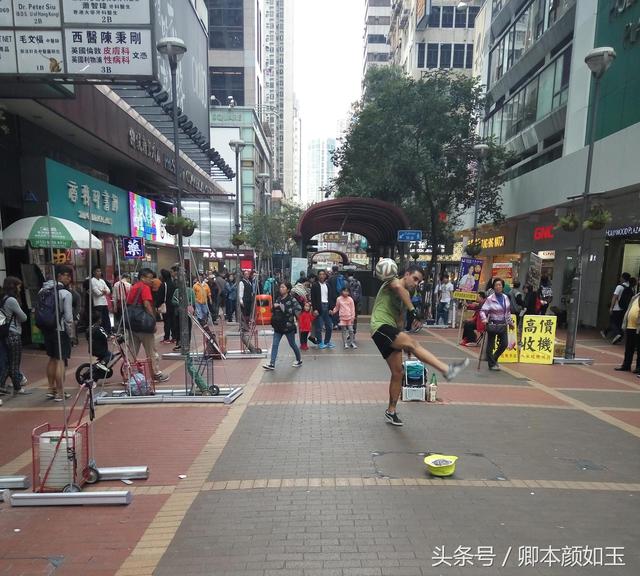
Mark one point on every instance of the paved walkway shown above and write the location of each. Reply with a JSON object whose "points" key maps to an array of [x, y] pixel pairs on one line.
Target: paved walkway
{"points": [[302, 476]]}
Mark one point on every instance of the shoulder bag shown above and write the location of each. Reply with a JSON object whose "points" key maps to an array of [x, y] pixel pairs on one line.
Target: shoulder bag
{"points": [[139, 319]]}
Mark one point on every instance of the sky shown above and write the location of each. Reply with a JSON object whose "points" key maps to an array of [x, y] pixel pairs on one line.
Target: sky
{"points": [[327, 62]]}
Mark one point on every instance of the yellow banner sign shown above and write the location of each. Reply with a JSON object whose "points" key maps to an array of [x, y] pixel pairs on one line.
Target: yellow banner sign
{"points": [[473, 296], [538, 339], [510, 355]]}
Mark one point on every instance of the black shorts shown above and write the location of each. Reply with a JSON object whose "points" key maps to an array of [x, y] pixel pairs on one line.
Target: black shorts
{"points": [[384, 337], [51, 345]]}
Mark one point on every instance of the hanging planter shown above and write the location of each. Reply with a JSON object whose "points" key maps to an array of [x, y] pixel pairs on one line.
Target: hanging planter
{"points": [[189, 229], [598, 218], [568, 223], [175, 224], [473, 248], [238, 239]]}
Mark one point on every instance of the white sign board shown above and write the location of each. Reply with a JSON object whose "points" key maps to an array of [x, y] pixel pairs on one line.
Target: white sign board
{"points": [[39, 51], [128, 12], [99, 52], [6, 13], [31, 13], [7, 52]]}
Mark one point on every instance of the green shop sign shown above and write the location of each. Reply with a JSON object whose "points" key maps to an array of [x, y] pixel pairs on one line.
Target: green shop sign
{"points": [[74, 195]]}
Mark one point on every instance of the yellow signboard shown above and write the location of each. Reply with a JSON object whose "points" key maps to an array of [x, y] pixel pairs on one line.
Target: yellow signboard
{"points": [[509, 356], [473, 296], [493, 242], [538, 339]]}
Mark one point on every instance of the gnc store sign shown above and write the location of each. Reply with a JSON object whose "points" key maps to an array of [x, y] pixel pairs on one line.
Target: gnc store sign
{"points": [[543, 232]]}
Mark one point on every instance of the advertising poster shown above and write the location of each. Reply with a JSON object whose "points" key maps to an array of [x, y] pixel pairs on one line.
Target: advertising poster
{"points": [[510, 355], [133, 248], [298, 265], [538, 339], [502, 270], [142, 213], [162, 236], [535, 271], [469, 274]]}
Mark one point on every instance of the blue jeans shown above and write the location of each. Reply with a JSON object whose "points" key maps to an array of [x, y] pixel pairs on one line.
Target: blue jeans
{"points": [[291, 338], [324, 319], [443, 312], [202, 311]]}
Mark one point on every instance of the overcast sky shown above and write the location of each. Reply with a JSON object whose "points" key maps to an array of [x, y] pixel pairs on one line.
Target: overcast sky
{"points": [[328, 62]]}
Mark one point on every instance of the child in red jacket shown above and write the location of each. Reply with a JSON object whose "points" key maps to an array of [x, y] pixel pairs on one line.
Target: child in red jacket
{"points": [[304, 323]]}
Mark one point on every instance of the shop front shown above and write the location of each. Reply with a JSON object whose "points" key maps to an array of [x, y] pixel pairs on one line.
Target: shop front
{"points": [[500, 258]]}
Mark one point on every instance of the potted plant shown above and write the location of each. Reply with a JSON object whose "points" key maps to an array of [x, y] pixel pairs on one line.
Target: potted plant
{"points": [[569, 222], [598, 218], [172, 223], [473, 248], [238, 239], [188, 227]]}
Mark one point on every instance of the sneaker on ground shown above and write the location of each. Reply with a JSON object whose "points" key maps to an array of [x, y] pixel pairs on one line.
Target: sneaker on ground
{"points": [[603, 334], [297, 364], [392, 418], [329, 345], [495, 368], [22, 392], [313, 340], [455, 368], [58, 398], [354, 345], [322, 346], [161, 377], [269, 366], [51, 395], [346, 346], [616, 338], [177, 348], [3, 391], [24, 381]]}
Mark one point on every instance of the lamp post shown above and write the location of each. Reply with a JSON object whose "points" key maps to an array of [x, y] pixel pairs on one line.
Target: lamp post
{"points": [[598, 60], [237, 146], [482, 151], [174, 49]]}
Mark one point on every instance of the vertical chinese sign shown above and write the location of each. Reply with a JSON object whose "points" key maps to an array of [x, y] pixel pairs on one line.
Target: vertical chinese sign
{"points": [[538, 339]]}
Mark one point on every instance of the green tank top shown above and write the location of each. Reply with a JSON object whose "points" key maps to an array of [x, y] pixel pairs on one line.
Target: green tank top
{"points": [[387, 309]]}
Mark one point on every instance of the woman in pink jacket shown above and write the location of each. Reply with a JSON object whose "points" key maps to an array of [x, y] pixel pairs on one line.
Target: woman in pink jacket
{"points": [[346, 310]]}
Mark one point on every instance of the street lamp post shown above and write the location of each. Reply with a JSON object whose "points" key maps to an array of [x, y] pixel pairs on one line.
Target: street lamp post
{"points": [[598, 60], [174, 49], [237, 146], [482, 151], [262, 178]]}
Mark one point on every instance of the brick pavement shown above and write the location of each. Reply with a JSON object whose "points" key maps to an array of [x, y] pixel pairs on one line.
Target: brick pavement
{"points": [[302, 475]]}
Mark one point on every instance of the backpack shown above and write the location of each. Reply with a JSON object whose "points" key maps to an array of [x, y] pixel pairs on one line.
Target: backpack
{"points": [[340, 283], [625, 298], [356, 290], [46, 310], [279, 320], [5, 321]]}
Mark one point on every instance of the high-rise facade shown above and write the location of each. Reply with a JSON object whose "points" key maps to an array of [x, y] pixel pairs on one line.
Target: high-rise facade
{"points": [[424, 35], [540, 106], [279, 102], [377, 17], [320, 168]]}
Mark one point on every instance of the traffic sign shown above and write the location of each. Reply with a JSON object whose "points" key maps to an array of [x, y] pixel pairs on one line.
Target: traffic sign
{"points": [[409, 235]]}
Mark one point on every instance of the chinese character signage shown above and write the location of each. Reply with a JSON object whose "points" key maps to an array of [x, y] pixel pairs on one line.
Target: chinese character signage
{"points": [[510, 355], [538, 339], [8, 64], [74, 195], [99, 52], [494, 242], [469, 274], [502, 270], [107, 12], [133, 248], [44, 13], [39, 51], [142, 212]]}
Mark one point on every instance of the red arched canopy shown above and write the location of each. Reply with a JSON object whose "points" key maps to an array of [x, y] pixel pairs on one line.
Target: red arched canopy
{"points": [[376, 220]]}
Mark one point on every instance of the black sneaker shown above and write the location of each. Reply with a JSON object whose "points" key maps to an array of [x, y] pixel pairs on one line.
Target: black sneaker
{"points": [[393, 418], [455, 368], [297, 364], [268, 366]]}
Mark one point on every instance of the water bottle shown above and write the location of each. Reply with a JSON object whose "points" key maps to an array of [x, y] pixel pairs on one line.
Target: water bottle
{"points": [[432, 390]]}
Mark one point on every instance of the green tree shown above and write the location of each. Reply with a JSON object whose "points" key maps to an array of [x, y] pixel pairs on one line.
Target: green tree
{"points": [[410, 142]]}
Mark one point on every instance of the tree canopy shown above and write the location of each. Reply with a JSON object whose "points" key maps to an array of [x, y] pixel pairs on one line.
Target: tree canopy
{"points": [[271, 233], [410, 142]]}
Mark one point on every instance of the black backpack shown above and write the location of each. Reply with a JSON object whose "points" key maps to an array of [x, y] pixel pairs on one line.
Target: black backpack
{"points": [[5, 321], [279, 320], [46, 310], [625, 298]]}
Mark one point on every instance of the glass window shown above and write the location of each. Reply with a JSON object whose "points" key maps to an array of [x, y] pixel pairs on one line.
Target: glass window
{"points": [[461, 18], [227, 81], [432, 55], [226, 24], [473, 12], [434, 17], [458, 55], [445, 55], [447, 16], [421, 55], [469, 61], [530, 102]]}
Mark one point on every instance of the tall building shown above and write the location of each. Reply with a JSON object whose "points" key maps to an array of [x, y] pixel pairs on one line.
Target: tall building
{"points": [[377, 17], [296, 195], [432, 34], [320, 168], [540, 105], [279, 102]]}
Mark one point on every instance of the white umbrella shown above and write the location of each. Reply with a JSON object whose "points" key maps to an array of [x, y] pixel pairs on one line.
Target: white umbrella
{"points": [[49, 232]]}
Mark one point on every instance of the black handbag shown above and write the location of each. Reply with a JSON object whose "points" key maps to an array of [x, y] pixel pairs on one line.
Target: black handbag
{"points": [[139, 319]]}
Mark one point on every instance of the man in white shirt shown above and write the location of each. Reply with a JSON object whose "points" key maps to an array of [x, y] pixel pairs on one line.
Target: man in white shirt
{"points": [[99, 291], [120, 292], [445, 290], [619, 302]]}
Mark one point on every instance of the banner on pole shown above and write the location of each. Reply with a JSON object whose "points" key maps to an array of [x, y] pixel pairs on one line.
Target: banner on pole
{"points": [[538, 339], [469, 274]]}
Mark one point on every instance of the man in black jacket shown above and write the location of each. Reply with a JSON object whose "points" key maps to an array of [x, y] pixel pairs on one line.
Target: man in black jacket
{"points": [[323, 297]]}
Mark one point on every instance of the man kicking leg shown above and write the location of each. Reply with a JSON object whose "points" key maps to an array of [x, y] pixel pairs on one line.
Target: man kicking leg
{"points": [[387, 322]]}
